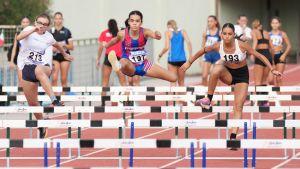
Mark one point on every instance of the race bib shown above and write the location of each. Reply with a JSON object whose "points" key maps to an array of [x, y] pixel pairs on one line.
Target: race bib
{"points": [[276, 40], [211, 41], [231, 58], [35, 57], [137, 56]]}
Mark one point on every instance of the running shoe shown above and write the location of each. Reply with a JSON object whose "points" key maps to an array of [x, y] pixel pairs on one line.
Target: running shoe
{"points": [[204, 103], [43, 132], [57, 103]]}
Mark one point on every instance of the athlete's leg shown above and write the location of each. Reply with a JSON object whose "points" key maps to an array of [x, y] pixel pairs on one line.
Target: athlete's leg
{"points": [[55, 72], [42, 73], [258, 74], [205, 72], [172, 69], [181, 77], [158, 72], [279, 67], [64, 69], [240, 94]]}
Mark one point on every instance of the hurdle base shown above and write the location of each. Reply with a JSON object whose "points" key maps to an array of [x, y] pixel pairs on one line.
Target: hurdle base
{"points": [[151, 158], [242, 158], [95, 158]]}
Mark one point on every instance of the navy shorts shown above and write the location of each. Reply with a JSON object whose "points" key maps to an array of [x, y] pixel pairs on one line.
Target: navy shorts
{"points": [[177, 64], [28, 73], [277, 59], [266, 53], [211, 57], [239, 75], [59, 58]]}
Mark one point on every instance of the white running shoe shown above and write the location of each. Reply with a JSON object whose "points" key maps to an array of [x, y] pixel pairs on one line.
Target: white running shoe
{"points": [[113, 60]]}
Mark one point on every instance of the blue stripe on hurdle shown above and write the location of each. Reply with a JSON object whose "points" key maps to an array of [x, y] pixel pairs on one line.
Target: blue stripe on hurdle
{"points": [[245, 150], [192, 155], [45, 155], [58, 154], [254, 150], [131, 149]]}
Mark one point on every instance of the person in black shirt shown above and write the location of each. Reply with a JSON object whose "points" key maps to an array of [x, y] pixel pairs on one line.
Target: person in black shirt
{"points": [[62, 35]]}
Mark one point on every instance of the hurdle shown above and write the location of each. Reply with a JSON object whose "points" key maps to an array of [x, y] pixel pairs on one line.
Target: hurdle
{"points": [[201, 89], [107, 123], [122, 98], [212, 124], [103, 143], [144, 109]]}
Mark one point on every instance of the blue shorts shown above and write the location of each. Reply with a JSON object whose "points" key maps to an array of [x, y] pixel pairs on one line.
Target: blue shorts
{"points": [[212, 57], [141, 69]]}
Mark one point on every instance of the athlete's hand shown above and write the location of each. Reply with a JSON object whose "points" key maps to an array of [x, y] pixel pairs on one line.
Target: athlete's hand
{"points": [[11, 65], [185, 66], [157, 35], [98, 64], [276, 73], [38, 28], [69, 57]]}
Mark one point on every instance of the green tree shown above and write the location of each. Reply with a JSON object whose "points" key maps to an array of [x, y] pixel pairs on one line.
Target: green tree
{"points": [[11, 11]]}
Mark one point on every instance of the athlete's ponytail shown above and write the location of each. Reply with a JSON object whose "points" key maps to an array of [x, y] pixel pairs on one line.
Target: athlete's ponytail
{"points": [[113, 27], [173, 25]]}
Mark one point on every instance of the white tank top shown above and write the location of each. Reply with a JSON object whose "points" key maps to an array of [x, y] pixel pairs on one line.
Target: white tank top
{"points": [[236, 57]]}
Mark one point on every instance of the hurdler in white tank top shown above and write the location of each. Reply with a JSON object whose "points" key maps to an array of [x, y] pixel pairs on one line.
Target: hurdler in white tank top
{"points": [[34, 49], [237, 57]]}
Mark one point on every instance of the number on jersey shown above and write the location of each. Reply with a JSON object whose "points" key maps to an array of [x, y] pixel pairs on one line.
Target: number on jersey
{"points": [[231, 58], [35, 56]]}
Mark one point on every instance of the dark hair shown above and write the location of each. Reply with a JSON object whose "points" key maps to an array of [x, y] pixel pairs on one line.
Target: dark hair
{"points": [[228, 25], [58, 13], [231, 26], [43, 15], [136, 12], [242, 15], [25, 17], [126, 23], [113, 27], [277, 18], [216, 19]]}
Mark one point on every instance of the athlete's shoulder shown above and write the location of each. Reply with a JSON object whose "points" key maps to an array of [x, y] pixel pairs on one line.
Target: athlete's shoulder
{"points": [[283, 33]]}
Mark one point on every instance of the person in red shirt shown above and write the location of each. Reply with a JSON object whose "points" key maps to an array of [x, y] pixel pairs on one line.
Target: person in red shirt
{"points": [[105, 37]]}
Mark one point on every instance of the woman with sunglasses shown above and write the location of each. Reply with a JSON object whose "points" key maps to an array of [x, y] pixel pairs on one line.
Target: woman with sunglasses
{"points": [[35, 63]]}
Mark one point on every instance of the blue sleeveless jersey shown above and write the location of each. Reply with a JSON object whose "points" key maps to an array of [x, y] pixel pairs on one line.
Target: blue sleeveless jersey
{"points": [[177, 53]]}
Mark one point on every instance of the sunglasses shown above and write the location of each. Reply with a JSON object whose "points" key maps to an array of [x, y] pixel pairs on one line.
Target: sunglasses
{"points": [[41, 23]]}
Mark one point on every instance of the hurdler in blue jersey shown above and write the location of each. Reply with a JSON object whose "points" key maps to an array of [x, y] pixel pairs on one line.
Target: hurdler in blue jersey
{"points": [[134, 60], [210, 37]]}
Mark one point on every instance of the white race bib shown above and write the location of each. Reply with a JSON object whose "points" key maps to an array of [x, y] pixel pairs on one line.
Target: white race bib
{"points": [[232, 58], [276, 40], [137, 56], [211, 41], [35, 57]]}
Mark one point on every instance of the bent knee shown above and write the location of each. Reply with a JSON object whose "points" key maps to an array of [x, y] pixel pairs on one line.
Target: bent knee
{"points": [[173, 78]]}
